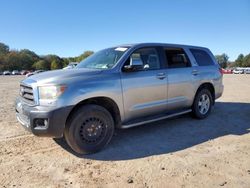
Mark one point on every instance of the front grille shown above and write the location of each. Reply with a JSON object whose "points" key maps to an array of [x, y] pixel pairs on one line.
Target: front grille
{"points": [[26, 92]]}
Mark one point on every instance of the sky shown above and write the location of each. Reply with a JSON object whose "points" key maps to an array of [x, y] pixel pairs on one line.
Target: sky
{"points": [[69, 27]]}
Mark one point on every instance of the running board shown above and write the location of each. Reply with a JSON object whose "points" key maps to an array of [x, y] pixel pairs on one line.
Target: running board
{"points": [[125, 126]]}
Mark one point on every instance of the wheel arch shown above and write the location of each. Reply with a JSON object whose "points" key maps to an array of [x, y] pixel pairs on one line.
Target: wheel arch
{"points": [[208, 86], [106, 102]]}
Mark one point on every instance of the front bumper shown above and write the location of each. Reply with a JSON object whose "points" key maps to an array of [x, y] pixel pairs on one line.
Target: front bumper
{"points": [[55, 118]]}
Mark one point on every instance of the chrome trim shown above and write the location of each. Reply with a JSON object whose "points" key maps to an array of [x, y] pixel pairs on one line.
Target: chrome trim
{"points": [[36, 95], [32, 83]]}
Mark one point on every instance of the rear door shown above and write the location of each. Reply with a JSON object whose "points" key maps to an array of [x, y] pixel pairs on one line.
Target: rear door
{"points": [[145, 91], [207, 68], [181, 78]]}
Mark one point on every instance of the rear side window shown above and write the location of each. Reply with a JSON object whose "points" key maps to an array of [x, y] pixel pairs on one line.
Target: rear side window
{"points": [[202, 57], [176, 58]]}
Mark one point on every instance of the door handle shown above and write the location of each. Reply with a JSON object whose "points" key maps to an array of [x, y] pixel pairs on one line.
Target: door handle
{"points": [[161, 76], [195, 72]]}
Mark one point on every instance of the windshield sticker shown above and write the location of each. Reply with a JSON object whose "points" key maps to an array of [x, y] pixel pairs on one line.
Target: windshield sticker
{"points": [[122, 49]]}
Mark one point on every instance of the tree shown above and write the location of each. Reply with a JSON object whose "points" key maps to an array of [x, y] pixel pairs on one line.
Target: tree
{"points": [[27, 59], [242, 61], [55, 64], [84, 55], [12, 61], [246, 61], [239, 61], [4, 49], [56, 60], [222, 60], [65, 62], [41, 65]]}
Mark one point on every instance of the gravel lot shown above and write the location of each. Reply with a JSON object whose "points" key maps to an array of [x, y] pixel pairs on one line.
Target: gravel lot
{"points": [[181, 152]]}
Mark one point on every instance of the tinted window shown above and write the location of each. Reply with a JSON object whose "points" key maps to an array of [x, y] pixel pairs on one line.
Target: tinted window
{"points": [[148, 56], [202, 57], [176, 58]]}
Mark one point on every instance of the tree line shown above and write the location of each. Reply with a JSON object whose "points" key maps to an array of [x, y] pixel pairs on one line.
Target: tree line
{"points": [[241, 61], [29, 60]]}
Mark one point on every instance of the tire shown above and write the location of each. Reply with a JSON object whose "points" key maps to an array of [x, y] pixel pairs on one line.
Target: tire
{"points": [[202, 104], [89, 129]]}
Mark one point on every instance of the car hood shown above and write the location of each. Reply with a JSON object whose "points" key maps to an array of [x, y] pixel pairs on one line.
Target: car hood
{"points": [[58, 76]]}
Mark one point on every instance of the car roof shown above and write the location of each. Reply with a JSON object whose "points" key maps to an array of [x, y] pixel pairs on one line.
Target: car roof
{"points": [[160, 44]]}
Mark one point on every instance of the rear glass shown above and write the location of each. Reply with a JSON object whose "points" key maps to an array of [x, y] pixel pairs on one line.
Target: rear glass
{"points": [[202, 57]]}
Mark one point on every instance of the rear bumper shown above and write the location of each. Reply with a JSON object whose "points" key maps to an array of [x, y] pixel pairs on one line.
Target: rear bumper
{"points": [[55, 119], [219, 91]]}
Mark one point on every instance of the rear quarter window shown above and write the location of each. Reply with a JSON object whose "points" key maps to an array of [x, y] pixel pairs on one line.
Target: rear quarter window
{"points": [[202, 57]]}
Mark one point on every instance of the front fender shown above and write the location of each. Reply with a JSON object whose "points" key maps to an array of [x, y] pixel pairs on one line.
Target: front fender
{"points": [[102, 86]]}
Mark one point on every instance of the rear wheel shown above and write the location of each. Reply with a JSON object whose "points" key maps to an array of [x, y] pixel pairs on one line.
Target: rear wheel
{"points": [[202, 104], [89, 129]]}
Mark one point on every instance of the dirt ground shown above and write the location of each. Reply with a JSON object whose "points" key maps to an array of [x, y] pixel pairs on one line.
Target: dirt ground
{"points": [[181, 152]]}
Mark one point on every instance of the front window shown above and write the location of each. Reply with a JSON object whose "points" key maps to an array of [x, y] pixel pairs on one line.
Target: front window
{"points": [[104, 59], [149, 58]]}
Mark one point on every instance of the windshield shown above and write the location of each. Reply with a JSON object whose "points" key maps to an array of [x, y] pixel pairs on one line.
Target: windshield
{"points": [[104, 59]]}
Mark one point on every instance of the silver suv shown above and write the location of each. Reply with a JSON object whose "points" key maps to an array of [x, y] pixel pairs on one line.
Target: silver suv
{"points": [[119, 87]]}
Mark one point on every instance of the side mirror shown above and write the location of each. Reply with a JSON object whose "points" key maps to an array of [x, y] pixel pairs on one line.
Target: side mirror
{"points": [[135, 64]]}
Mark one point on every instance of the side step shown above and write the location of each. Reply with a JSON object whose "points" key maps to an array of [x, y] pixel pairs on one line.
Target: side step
{"points": [[158, 118]]}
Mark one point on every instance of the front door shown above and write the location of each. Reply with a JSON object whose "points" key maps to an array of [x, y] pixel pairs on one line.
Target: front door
{"points": [[145, 90]]}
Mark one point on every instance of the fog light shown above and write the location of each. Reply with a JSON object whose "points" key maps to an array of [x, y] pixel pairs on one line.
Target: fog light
{"points": [[41, 123]]}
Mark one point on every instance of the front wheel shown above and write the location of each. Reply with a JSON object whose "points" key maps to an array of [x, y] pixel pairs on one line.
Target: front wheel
{"points": [[89, 129], [202, 104]]}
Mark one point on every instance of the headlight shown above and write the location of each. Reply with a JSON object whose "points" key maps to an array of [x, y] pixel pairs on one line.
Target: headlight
{"points": [[50, 92]]}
